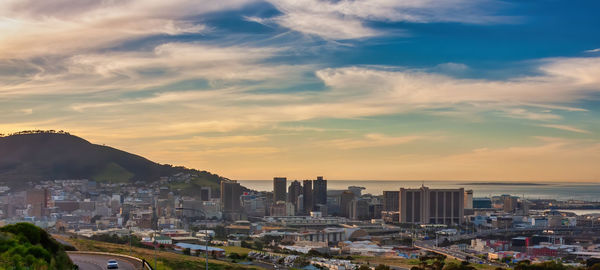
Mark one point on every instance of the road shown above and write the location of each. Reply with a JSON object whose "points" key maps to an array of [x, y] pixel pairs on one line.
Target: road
{"points": [[98, 262]]}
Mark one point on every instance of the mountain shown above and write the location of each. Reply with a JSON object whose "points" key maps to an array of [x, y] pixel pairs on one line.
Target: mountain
{"points": [[47, 155]]}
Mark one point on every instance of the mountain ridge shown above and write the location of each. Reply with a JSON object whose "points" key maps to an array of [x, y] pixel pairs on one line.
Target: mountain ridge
{"points": [[34, 156]]}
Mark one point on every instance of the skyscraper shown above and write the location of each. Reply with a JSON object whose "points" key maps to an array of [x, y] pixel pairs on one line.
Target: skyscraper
{"points": [[345, 203], [279, 189], [39, 200], [391, 201], [432, 206], [307, 193], [230, 196], [359, 209], [510, 203], [469, 199], [294, 191], [320, 191]]}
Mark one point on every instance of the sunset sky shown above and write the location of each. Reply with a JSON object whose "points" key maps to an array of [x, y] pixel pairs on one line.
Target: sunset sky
{"points": [[374, 89]]}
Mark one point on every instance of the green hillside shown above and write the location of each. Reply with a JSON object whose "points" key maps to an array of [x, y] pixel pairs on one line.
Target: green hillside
{"points": [[25, 246]]}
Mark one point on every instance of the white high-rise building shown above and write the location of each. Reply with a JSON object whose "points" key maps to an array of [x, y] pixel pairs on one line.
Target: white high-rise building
{"points": [[432, 206]]}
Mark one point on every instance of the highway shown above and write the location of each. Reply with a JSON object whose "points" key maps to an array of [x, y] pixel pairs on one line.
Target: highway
{"points": [[98, 262]]}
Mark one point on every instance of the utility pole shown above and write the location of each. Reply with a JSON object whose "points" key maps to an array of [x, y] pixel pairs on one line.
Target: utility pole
{"points": [[155, 267], [207, 237], [206, 247], [129, 241]]}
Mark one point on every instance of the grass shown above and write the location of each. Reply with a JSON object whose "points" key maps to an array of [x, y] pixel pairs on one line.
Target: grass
{"points": [[194, 186], [404, 263], [113, 173], [408, 263], [166, 260], [238, 250]]}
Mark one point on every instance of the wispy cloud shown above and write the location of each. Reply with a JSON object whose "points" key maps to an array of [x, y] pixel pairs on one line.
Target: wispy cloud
{"points": [[167, 63], [372, 140], [34, 28], [527, 114], [26, 111], [346, 19], [566, 127]]}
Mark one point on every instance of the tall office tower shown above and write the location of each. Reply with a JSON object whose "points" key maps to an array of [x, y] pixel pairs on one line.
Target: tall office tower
{"points": [[230, 196], [294, 191], [307, 192], [346, 202], [391, 201], [359, 209], [300, 204], [432, 206], [510, 203], [469, 199], [279, 192], [205, 194], [320, 191], [39, 200]]}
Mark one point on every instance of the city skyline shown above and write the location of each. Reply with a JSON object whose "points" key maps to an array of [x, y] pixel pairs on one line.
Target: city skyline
{"points": [[386, 90]]}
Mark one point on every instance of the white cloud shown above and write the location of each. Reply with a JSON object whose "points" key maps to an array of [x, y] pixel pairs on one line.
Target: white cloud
{"points": [[583, 73], [555, 107], [66, 27], [562, 81], [167, 63], [26, 111], [451, 68], [331, 27], [352, 92], [348, 19], [526, 114], [566, 127]]}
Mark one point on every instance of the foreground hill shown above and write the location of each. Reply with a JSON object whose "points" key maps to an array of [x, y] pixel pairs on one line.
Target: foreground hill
{"points": [[37, 156], [25, 246]]}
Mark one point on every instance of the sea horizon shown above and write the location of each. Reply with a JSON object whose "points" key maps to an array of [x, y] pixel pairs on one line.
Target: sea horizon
{"points": [[531, 190]]}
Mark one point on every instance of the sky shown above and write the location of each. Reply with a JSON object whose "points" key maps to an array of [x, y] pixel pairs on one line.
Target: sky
{"points": [[373, 89]]}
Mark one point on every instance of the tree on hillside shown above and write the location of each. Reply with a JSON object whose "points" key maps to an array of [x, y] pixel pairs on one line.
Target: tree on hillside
{"points": [[25, 246], [382, 267]]}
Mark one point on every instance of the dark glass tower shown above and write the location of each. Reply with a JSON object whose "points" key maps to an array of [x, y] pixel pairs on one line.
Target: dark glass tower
{"points": [[307, 192], [279, 189], [320, 191]]}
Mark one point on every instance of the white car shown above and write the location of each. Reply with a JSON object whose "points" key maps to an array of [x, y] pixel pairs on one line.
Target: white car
{"points": [[112, 264]]}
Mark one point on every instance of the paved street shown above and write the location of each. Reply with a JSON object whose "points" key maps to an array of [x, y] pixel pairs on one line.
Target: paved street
{"points": [[98, 262]]}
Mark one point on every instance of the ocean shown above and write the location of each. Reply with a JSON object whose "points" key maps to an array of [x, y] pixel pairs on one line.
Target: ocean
{"points": [[537, 190]]}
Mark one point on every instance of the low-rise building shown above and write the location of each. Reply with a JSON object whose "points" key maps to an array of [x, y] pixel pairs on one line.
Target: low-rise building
{"points": [[200, 249]]}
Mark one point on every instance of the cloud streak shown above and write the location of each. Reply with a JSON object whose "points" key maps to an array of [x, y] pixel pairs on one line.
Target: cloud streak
{"points": [[372, 140], [66, 27], [566, 128], [347, 19]]}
